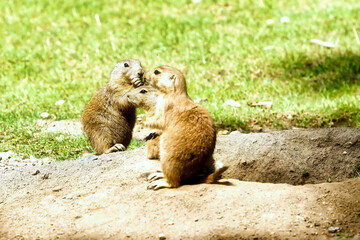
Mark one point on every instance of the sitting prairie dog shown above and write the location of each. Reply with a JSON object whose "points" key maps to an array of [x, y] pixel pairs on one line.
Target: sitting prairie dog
{"points": [[187, 137], [167, 80], [108, 118]]}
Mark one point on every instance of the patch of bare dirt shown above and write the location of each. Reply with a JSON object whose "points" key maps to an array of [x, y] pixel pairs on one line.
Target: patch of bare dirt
{"points": [[107, 198], [62, 126]]}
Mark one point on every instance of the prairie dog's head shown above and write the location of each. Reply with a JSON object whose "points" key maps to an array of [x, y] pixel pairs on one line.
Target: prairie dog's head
{"points": [[167, 80], [145, 97], [129, 70]]}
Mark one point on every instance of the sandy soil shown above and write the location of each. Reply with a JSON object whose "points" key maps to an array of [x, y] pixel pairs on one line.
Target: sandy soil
{"points": [[296, 184]]}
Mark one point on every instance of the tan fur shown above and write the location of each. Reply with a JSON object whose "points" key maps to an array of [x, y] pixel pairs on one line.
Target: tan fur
{"points": [[108, 118], [188, 133], [168, 80], [153, 148]]}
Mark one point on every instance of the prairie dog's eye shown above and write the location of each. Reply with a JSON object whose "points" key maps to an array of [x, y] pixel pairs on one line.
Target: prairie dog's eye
{"points": [[143, 91], [157, 72], [126, 65]]}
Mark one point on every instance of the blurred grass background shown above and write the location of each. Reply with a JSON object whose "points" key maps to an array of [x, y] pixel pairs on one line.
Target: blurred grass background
{"points": [[238, 50]]}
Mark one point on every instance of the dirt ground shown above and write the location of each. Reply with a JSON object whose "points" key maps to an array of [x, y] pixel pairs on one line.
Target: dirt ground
{"points": [[295, 184]]}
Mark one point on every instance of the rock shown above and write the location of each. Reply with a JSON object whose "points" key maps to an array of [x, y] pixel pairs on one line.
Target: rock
{"points": [[57, 189], [333, 229], [36, 172], [45, 176], [69, 196], [5, 155], [162, 236], [90, 158]]}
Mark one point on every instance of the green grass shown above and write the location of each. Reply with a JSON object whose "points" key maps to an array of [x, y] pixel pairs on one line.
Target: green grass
{"points": [[52, 50]]}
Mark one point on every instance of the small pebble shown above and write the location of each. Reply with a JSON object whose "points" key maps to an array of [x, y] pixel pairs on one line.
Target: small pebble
{"points": [[162, 236], [333, 229], [58, 189], [90, 158], [45, 176], [36, 172]]}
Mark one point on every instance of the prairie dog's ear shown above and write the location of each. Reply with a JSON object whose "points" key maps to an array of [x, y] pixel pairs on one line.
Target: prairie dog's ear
{"points": [[173, 80]]}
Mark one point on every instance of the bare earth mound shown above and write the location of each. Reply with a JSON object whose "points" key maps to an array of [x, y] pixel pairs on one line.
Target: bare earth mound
{"points": [[107, 198]]}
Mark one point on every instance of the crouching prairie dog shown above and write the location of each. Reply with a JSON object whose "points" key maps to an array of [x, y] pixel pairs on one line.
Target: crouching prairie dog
{"points": [[187, 137], [167, 80], [108, 118]]}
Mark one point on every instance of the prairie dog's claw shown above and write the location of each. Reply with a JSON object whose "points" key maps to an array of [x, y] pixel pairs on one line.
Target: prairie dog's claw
{"points": [[152, 134], [155, 176], [161, 183]]}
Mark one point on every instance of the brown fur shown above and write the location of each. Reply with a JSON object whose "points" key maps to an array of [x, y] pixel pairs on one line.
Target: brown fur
{"points": [[169, 81], [188, 133], [108, 118]]}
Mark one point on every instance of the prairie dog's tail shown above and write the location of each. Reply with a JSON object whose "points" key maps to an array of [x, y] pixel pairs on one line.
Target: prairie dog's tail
{"points": [[219, 169]]}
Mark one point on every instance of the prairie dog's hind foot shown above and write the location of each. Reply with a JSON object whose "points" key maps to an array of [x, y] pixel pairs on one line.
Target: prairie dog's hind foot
{"points": [[155, 176], [116, 148], [161, 183]]}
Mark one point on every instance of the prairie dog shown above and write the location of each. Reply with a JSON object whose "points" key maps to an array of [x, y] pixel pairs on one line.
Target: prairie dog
{"points": [[187, 137], [168, 80], [108, 118]]}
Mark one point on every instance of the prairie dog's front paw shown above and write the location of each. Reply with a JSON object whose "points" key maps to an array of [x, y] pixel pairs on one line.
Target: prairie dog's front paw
{"points": [[152, 134], [137, 82]]}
